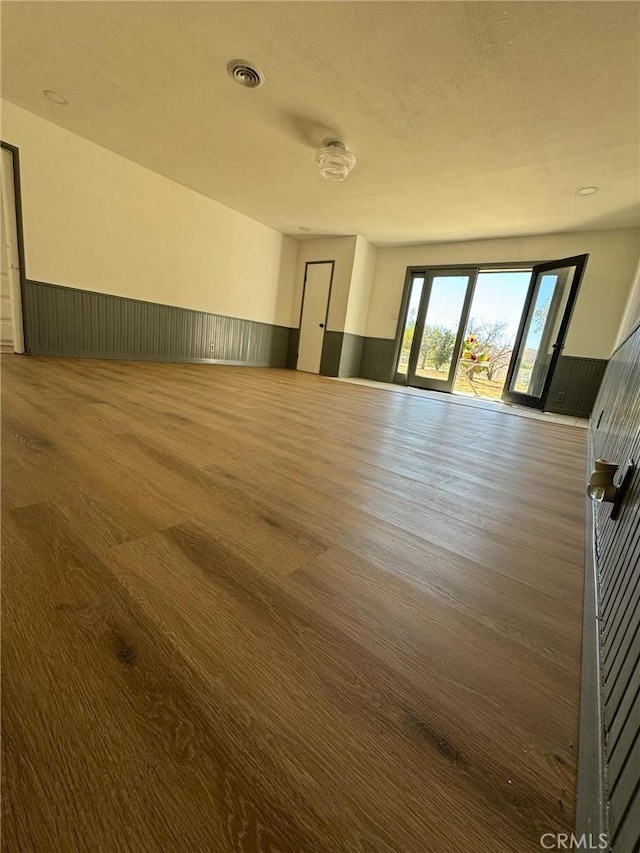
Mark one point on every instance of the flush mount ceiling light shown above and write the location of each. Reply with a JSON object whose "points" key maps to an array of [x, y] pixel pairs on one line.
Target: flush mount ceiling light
{"points": [[245, 73], [588, 190], [56, 97], [334, 161]]}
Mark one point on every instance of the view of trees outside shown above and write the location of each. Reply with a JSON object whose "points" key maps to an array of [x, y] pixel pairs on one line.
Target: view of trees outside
{"points": [[496, 311], [495, 316], [484, 361], [528, 380], [436, 351], [446, 301], [410, 325]]}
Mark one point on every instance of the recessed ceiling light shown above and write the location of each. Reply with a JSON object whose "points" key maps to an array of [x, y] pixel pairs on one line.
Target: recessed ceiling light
{"points": [[588, 190], [304, 228], [245, 73], [56, 97]]}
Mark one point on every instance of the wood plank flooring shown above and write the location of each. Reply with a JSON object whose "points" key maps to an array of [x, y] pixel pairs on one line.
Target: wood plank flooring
{"points": [[255, 610]]}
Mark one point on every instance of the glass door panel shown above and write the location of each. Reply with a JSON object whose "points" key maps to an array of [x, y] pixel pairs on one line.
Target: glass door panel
{"points": [[533, 357], [552, 294], [413, 307], [439, 329]]}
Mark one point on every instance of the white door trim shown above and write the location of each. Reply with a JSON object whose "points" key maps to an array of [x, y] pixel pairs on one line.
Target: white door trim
{"points": [[10, 234]]}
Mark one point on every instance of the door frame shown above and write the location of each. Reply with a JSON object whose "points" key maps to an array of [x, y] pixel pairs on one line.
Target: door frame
{"points": [[424, 269], [304, 292], [17, 196], [516, 397], [401, 378]]}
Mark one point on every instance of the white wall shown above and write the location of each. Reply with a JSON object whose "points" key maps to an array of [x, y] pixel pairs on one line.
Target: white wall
{"points": [[601, 302], [631, 317], [364, 263], [338, 249], [97, 221]]}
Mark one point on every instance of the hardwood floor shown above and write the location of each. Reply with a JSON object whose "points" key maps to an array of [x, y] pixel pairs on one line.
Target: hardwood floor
{"points": [[255, 610]]}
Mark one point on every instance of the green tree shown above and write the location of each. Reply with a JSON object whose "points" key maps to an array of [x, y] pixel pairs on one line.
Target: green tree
{"points": [[437, 346], [407, 340]]}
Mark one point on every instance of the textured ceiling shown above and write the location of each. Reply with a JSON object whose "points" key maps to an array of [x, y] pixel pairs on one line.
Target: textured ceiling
{"points": [[469, 120]]}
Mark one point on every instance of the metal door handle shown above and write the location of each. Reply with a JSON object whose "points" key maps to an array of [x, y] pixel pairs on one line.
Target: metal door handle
{"points": [[321, 325]]}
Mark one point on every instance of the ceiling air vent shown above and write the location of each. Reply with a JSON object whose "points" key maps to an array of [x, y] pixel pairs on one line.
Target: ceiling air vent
{"points": [[245, 73]]}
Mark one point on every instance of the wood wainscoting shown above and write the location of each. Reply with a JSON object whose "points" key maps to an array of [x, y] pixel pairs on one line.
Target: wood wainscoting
{"points": [[68, 321], [610, 731], [258, 610]]}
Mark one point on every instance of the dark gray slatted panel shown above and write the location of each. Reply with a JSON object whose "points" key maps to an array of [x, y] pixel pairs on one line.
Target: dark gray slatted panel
{"points": [[351, 355], [624, 790], [575, 385], [331, 349], [618, 548], [377, 360], [617, 726], [613, 595], [621, 673], [621, 749], [627, 835], [341, 354], [623, 619], [67, 321]]}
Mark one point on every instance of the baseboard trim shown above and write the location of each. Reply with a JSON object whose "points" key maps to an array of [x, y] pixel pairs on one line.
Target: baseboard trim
{"points": [[570, 413], [591, 798], [147, 357]]}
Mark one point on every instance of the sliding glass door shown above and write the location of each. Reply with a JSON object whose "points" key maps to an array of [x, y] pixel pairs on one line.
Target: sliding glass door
{"points": [[543, 329], [436, 314]]}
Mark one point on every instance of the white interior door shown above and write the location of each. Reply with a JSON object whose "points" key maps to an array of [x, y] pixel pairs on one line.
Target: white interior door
{"points": [[11, 334], [315, 305]]}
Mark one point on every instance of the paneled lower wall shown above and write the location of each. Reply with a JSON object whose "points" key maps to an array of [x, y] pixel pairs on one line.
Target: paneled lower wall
{"points": [[341, 354], [378, 359], [573, 391], [610, 737], [331, 349], [72, 322], [68, 321], [575, 385], [351, 355]]}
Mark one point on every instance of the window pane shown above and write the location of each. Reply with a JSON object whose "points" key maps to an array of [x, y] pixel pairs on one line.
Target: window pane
{"points": [[535, 352], [417, 284], [442, 322]]}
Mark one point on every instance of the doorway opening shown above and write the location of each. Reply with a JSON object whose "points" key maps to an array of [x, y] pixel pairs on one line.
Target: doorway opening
{"points": [[495, 333], [491, 332]]}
